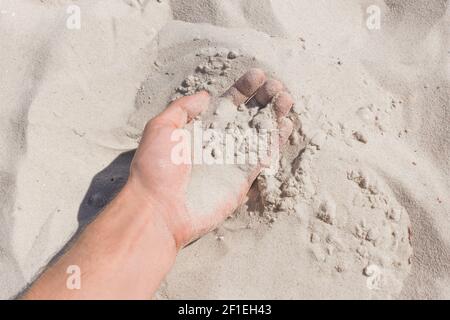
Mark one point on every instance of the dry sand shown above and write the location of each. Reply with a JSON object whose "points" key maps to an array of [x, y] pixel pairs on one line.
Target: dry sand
{"points": [[360, 206]]}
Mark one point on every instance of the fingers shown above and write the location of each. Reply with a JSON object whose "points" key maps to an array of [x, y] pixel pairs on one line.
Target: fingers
{"points": [[268, 91], [183, 110], [283, 104], [285, 128], [246, 86], [254, 83], [274, 90]]}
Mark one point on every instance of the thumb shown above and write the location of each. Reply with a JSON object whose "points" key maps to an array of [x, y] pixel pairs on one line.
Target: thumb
{"points": [[183, 110]]}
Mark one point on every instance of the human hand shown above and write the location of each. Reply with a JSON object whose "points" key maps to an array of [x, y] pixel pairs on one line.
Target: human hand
{"points": [[154, 177]]}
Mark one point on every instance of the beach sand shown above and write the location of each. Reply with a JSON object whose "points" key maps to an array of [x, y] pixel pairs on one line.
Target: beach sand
{"points": [[360, 208]]}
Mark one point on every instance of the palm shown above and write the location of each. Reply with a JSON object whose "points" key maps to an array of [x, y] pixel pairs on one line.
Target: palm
{"points": [[196, 197]]}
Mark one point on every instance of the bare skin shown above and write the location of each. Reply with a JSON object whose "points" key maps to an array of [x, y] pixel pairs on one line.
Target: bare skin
{"points": [[132, 245]]}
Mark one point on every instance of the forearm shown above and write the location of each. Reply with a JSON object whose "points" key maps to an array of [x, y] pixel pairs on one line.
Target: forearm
{"points": [[124, 254]]}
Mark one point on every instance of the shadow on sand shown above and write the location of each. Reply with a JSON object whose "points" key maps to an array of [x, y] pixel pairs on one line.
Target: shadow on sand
{"points": [[103, 188]]}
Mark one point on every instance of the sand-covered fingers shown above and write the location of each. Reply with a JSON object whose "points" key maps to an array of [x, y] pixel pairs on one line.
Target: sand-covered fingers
{"points": [[268, 91], [285, 127], [254, 83], [251, 125], [246, 87], [273, 91], [273, 103], [282, 104]]}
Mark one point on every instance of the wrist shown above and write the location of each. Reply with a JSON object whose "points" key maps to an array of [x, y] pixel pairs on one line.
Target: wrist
{"points": [[147, 214], [124, 253], [158, 210]]}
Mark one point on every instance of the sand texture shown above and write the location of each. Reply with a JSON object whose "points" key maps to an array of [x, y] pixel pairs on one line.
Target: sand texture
{"points": [[359, 206]]}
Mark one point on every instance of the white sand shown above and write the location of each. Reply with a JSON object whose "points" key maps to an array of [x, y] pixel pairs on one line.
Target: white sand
{"points": [[365, 180]]}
